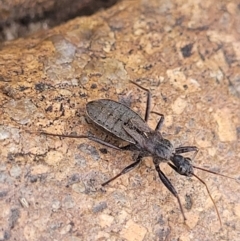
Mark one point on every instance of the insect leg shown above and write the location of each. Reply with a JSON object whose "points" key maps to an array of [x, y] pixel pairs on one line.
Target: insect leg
{"points": [[160, 122], [125, 170], [92, 138], [147, 112], [170, 187], [184, 149], [204, 183], [148, 106]]}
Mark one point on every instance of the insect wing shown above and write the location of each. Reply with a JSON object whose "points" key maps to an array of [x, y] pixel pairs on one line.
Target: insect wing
{"points": [[112, 115]]}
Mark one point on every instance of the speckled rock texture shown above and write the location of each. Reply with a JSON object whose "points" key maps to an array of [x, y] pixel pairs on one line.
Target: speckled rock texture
{"points": [[187, 53], [20, 18]]}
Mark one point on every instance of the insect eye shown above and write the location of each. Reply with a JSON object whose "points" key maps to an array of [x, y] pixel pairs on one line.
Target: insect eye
{"points": [[182, 170]]}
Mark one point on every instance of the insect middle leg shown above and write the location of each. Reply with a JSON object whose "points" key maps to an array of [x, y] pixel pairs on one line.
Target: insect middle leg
{"points": [[148, 106], [125, 170], [160, 122]]}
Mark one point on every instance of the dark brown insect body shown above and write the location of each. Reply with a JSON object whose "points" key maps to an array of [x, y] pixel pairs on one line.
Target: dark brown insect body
{"points": [[112, 115], [127, 125]]}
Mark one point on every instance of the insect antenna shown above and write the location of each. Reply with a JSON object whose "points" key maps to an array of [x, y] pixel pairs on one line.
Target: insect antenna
{"points": [[219, 174], [215, 206], [216, 173]]}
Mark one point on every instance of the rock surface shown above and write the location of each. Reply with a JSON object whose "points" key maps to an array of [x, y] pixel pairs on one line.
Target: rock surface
{"points": [[187, 53]]}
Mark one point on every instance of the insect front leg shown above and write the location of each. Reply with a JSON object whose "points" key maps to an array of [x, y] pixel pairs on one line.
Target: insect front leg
{"points": [[169, 186], [125, 170], [183, 166]]}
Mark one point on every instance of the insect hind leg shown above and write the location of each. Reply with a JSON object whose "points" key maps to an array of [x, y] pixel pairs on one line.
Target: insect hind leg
{"points": [[89, 137]]}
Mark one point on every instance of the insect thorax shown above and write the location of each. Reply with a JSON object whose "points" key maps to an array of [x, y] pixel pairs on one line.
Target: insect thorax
{"points": [[164, 149]]}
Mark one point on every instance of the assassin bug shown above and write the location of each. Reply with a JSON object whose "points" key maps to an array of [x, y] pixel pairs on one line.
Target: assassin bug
{"points": [[127, 125]]}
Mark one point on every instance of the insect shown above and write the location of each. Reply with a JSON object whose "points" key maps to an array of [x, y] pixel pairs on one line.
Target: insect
{"points": [[128, 126]]}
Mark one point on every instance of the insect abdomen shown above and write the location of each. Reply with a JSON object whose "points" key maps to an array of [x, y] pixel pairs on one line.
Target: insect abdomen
{"points": [[111, 115]]}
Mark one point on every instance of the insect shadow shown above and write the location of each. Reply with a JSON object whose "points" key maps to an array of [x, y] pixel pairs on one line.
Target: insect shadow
{"points": [[127, 125]]}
